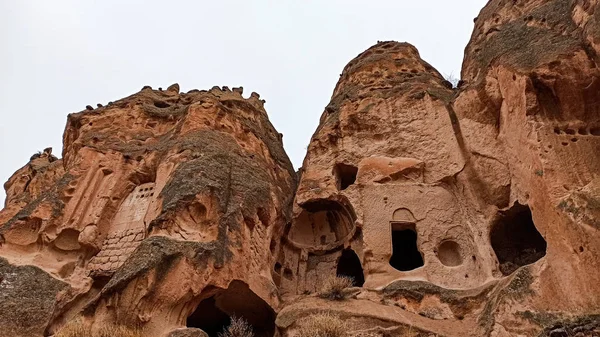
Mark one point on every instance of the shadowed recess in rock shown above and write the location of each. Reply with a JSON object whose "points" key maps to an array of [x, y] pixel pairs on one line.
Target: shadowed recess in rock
{"points": [[322, 222], [449, 254], [345, 175], [349, 266], [213, 314], [515, 239], [209, 317], [405, 254]]}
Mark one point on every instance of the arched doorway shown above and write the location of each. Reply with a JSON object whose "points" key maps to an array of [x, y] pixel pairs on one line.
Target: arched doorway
{"points": [[349, 266], [405, 253]]}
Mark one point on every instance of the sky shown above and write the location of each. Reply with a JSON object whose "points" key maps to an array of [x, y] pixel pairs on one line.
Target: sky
{"points": [[58, 56]]}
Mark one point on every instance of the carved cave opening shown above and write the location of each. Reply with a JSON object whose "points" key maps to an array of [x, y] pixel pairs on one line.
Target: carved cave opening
{"points": [[515, 239], [213, 314], [322, 222], [209, 317], [345, 175], [549, 104], [405, 253], [349, 266]]}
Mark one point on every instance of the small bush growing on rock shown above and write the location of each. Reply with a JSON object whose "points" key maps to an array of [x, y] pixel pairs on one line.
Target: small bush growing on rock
{"points": [[76, 328], [117, 331], [334, 287], [452, 79], [237, 328], [322, 325]]}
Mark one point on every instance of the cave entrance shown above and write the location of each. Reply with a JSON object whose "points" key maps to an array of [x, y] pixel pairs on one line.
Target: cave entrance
{"points": [[213, 314], [349, 266], [209, 317], [405, 253], [345, 175], [515, 239]]}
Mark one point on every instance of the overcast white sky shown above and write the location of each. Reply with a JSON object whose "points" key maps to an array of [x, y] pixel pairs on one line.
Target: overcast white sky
{"points": [[58, 56]]}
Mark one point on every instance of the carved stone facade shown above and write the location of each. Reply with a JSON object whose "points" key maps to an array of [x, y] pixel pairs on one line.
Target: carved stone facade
{"points": [[469, 211], [126, 232]]}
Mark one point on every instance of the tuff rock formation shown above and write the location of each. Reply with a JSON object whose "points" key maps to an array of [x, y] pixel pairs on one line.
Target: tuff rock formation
{"points": [[469, 211], [162, 200]]}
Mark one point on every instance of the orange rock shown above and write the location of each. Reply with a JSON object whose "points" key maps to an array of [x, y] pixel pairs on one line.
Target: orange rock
{"points": [[469, 211], [491, 199], [200, 193]]}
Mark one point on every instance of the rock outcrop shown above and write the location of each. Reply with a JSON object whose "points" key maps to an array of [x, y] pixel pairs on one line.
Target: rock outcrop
{"points": [[469, 211], [162, 200], [466, 211], [27, 299]]}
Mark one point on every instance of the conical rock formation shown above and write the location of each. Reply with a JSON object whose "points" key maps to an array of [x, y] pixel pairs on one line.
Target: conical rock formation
{"points": [[159, 200]]}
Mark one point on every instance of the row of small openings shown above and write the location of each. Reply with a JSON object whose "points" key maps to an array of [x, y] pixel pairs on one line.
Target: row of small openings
{"points": [[145, 192], [144, 195], [594, 131], [145, 189]]}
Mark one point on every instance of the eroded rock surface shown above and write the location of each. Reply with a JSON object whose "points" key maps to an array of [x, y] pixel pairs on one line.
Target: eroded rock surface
{"points": [[469, 211], [27, 299], [478, 199], [161, 200]]}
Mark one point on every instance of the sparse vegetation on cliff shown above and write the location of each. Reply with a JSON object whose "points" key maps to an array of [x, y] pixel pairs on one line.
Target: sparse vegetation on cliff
{"points": [[74, 328], [322, 325], [238, 328], [452, 79], [334, 288], [77, 328]]}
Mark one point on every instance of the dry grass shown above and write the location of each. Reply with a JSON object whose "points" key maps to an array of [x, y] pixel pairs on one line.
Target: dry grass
{"points": [[76, 328], [237, 328], [322, 325], [334, 287], [118, 331]]}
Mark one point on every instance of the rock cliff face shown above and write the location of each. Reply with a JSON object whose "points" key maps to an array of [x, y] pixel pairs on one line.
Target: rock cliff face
{"points": [[161, 200], [469, 211]]}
